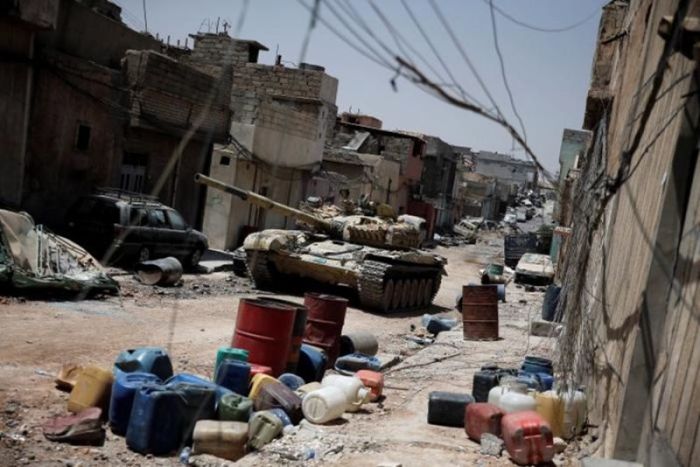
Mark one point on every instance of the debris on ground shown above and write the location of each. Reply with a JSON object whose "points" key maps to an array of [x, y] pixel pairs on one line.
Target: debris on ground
{"points": [[33, 258], [164, 271], [491, 445]]}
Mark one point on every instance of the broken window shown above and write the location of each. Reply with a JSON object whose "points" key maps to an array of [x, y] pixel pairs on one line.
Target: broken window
{"points": [[225, 160], [82, 138]]}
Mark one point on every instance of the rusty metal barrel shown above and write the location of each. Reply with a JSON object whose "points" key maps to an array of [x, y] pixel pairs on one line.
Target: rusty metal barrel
{"points": [[324, 324], [163, 271], [264, 329], [480, 312], [298, 329]]}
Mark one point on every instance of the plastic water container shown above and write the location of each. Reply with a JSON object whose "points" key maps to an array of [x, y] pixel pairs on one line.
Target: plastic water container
{"points": [[234, 375], [528, 438], [197, 403], [537, 365], [282, 415], [92, 389], [230, 353], [234, 407], [517, 399], [374, 381], [325, 404], [312, 363], [480, 418], [531, 380], [484, 380], [200, 381], [546, 381], [447, 408], [278, 395], [263, 427], [356, 361], [153, 360], [308, 387], [355, 392], [123, 390], [226, 440], [155, 423], [258, 382], [291, 380], [256, 369], [575, 413]]}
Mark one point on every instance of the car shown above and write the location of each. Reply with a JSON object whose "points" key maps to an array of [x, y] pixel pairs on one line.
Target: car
{"points": [[534, 269], [120, 226], [521, 215]]}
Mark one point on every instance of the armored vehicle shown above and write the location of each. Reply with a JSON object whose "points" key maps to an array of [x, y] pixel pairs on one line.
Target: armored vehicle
{"points": [[340, 251]]}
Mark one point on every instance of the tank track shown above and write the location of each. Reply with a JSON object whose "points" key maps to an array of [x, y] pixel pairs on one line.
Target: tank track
{"points": [[375, 277], [260, 269]]}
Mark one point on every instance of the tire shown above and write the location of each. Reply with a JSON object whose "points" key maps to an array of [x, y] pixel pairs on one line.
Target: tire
{"points": [[194, 258], [144, 254]]}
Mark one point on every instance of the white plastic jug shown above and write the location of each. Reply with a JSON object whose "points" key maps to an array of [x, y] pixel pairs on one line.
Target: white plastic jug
{"points": [[517, 399], [497, 392], [324, 405], [355, 392]]}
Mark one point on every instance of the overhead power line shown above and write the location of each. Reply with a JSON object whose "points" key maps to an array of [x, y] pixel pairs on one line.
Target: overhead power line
{"points": [[514, 20], [503, 70]]}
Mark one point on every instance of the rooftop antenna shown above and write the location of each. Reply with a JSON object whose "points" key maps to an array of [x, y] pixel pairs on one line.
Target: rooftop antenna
{"points": [[217, 24], [226, 25], [145, 19]]}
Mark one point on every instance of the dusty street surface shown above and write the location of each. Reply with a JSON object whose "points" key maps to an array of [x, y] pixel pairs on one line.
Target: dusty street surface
{"points": [[195, 319]]}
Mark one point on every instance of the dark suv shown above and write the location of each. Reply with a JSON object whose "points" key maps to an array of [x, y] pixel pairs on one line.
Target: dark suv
{"points": [[137, 226]]}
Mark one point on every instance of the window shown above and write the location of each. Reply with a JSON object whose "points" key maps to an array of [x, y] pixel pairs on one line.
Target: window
{"points": [[225, 160], [156, 218], [139, 216], [82, 138], [133, 172], [176, 220]]}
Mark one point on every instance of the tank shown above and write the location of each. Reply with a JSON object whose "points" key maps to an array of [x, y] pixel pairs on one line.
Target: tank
{"points": [[376, 259]]}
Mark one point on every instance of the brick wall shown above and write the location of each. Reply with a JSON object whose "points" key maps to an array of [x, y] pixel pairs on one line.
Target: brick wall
{"points": [[166, 93]]}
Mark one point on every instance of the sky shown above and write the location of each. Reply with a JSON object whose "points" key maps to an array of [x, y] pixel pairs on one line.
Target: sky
{"points": [[548, 73]]}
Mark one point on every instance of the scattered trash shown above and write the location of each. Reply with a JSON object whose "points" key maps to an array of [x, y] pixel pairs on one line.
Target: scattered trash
{"points": [[482, 418], [359, 342], [163, 271], [226, 440], [349, 364], [447, 408], [154, 360]]}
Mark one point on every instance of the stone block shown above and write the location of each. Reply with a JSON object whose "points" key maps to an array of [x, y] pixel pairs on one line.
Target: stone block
{"points": [[491, 445], [543, 328]]}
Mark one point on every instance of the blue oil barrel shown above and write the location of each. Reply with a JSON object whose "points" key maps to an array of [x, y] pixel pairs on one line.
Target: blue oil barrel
{"points": [[537, 365], [153, 360], [124, 388]]}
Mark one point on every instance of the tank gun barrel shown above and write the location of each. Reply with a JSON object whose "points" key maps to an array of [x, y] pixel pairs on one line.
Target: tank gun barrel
{"points": [[262, 201]]}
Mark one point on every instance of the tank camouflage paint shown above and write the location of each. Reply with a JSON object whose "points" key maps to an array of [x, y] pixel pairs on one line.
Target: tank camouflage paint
{"points": [[387, 280]]}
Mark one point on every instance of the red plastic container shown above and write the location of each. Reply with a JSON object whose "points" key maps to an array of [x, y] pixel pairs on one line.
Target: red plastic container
{"points": [[264, 329], [324, 323], [528, 437], [374, 381], [480, 418]]}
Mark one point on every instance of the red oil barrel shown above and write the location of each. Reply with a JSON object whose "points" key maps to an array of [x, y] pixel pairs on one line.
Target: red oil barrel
{"points": [[480, 312], [297, 332], [264, 329], [528, 438], [324, 324]]}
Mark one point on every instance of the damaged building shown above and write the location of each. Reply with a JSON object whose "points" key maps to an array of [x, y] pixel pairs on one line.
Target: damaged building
{"points": [[84, 112], [279, 120]]}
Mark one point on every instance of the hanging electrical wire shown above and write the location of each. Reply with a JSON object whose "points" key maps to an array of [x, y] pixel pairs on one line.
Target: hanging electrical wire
{"points": [[514, 20]]}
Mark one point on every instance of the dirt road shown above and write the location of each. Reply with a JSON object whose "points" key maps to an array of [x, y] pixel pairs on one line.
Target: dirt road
{"points": [[192, 321]]}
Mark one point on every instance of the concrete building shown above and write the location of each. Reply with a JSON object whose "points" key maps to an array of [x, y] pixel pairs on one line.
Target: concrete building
{"points": [[438, 180], [518, 173], [406, 149], [573, 146], [630, 296], [93, 103], [279, 122]]}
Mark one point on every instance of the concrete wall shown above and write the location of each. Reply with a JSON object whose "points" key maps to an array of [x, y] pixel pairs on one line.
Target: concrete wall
{"points": [[573, 145], [508, 173], [630, 279]]}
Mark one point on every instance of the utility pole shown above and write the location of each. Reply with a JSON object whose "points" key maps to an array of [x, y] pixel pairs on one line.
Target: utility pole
{"points": [[145, 19]]}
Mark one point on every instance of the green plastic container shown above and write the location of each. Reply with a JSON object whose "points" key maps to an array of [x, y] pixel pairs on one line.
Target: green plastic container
{"points": [[234, 407], [229, 353], [263, 427]]}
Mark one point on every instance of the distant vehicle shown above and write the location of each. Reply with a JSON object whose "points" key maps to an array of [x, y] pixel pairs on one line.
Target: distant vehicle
{"points": [[509, 218], [534, 268], [521, 215], [467, 229], [137, 226]]}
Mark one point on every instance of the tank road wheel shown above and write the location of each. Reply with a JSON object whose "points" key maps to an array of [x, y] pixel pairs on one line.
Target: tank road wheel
{"points": [[413, 296], [398, 294], [421, 292], [428, 292], [260, 269], [388, 295], [406, 293]]}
